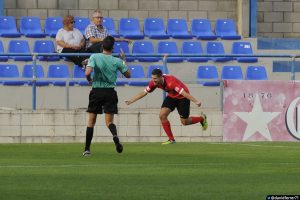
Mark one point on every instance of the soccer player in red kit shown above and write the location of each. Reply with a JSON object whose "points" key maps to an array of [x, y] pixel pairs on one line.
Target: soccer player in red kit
{"points": [[178, 97]]}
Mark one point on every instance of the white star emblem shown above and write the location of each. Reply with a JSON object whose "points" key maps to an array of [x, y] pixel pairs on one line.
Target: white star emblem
{"points": [[257, 120]]}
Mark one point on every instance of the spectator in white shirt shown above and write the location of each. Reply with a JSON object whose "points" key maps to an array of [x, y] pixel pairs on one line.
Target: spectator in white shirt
{"points": [[71, 40]]}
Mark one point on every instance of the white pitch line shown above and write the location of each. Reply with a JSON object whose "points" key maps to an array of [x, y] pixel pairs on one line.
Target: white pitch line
{"points": [[257, 145], [142, 165]]}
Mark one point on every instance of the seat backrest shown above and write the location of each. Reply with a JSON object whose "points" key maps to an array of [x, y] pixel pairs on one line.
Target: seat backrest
{"points": [[200, 26], [153, 25], [53, 24], [9, 71], [81, 23], [215, 48], [1, 47], [28, 71], [256, 73], [78, 72], [241, 48], [18, 46], [29, 24], [142, 47], [224, 26], [109, 24], [207, 72], [129, 25], [167, 47], [121, 45], [58, 71], [7, 23], [232, 72], [191, 48], [152, 67], [136, 71], [43, 46], [177, 25]]}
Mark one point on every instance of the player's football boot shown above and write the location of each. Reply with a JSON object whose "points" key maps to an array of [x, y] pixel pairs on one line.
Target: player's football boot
{"points": [[169, 142], [204, 123]]}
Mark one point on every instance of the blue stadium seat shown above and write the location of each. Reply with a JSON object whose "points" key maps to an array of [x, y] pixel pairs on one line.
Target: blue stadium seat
{"points": [[193, 48], [165, 47], [28, 73], [130, 28], [10, 71], [109, 24], [201, 28], [8, 27], [79, 72], [256, 73], [243, 48], [232, 72], [152, 67], [144, 47], [45, 46], [124, 46], [178, 29], [154, 28], [225, 29], [59, 71], [31, 27], [204, 73], [2, 58], [19, 46], [137, 71], [216, 48], [52, 25], [81, 23]]}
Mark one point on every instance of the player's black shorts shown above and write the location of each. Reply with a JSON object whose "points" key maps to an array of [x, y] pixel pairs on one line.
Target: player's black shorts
{"points": [[103, 99], [182, 105]]}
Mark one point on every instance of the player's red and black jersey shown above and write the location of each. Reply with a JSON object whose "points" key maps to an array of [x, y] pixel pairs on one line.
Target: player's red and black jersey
{"points": [[171, 85]]}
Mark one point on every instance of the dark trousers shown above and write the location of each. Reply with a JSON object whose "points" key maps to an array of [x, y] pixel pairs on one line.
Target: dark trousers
{"points": [[95, 48], [77, 60]]}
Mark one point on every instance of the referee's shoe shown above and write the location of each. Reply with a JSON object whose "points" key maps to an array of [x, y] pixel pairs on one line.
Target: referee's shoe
{"points": [[119, 147]]}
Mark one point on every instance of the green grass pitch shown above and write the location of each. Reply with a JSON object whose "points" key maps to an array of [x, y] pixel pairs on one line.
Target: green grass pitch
{"points": [[149, 171]]}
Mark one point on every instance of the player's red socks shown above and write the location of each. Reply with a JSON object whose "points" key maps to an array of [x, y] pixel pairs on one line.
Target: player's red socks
{"points": [[167, 127], [195, 120]]}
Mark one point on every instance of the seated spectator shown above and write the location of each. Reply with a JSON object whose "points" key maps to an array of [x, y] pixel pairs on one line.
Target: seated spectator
{"points": [[71, 40], [96, 32]]}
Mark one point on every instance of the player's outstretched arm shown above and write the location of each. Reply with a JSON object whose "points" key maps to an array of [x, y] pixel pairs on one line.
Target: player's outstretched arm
{"points": [[135, 98], [191, 98]]}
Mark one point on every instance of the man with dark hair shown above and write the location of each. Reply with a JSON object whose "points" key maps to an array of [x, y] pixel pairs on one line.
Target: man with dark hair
{"points": [[178, 97], [103, 96]]}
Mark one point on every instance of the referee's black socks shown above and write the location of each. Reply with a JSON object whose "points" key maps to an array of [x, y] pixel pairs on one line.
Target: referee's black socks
{"points": [[88, 137], [113, 129]]}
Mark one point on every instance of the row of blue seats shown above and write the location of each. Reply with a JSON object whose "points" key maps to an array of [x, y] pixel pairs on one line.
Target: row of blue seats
{"points": [[204, 73], [154, 28], [140, 47], [62, 71]]}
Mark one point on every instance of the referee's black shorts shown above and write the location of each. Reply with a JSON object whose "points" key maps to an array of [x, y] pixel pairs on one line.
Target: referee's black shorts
{"points": [[182, 105], [103, 99]]}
